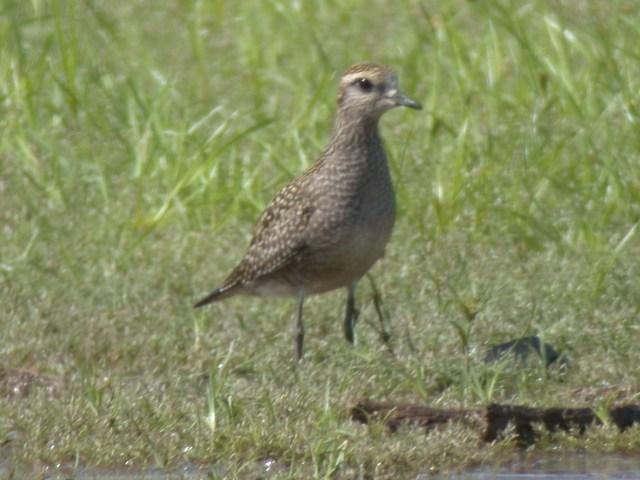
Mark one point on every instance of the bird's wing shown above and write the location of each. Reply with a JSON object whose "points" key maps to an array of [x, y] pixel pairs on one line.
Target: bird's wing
{"points": [[278, 236], [278, 240]]}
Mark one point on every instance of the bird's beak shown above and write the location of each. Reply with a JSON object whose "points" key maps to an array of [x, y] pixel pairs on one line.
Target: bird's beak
{"points": [[402, 100]]}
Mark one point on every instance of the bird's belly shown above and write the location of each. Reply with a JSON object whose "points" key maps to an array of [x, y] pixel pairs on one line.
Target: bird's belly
{"points": [[346, 260], [332, 266]]}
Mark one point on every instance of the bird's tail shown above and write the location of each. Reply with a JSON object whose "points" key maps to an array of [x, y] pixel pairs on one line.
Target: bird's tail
{"points": [[227, 289], [214, 296]]}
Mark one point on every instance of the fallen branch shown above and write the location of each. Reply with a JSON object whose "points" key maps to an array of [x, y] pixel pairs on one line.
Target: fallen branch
{"points": [[494, 419]]}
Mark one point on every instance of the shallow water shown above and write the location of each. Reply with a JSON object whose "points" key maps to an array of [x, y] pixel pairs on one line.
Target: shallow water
{"points": [[574, 466]]}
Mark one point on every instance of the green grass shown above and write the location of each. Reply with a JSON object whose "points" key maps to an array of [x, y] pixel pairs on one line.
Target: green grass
{"points": [[140, 140]]}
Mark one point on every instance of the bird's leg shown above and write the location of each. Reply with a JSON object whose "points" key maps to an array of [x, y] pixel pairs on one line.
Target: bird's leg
{"points": [[299, 328], [383, 314], [351, 315]]}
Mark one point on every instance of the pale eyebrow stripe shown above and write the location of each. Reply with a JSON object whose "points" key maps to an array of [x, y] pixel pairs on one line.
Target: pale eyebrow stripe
{"points": [[353, 77]]}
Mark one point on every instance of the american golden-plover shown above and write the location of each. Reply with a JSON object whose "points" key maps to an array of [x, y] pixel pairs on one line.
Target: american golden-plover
{"points": [[326, 228]]}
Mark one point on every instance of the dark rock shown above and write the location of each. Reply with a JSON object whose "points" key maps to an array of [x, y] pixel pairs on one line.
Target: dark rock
{"points": [[521, 348]]}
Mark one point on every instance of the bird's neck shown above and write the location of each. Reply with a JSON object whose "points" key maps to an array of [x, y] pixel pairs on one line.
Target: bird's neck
{"points": [[355, 134]]}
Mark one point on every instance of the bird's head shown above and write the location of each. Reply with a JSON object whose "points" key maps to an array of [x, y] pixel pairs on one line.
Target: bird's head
{"points": [[369, 90]]}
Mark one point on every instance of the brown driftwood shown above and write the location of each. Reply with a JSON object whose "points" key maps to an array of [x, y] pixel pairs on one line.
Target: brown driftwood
{"points": [[494, 419]]}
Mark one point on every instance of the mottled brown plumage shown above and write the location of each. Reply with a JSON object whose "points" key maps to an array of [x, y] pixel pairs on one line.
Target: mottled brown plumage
{"points": [[326, 228]]}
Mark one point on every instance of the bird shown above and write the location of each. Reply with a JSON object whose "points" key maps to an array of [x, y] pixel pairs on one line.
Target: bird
{"points": [[326, 228]]}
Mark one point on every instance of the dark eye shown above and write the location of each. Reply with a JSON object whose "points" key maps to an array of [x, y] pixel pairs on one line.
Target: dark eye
{"points": [[364, 84]]}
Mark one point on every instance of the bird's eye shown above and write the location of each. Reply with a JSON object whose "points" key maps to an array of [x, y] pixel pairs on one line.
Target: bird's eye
{"points": [[364, 84]]}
